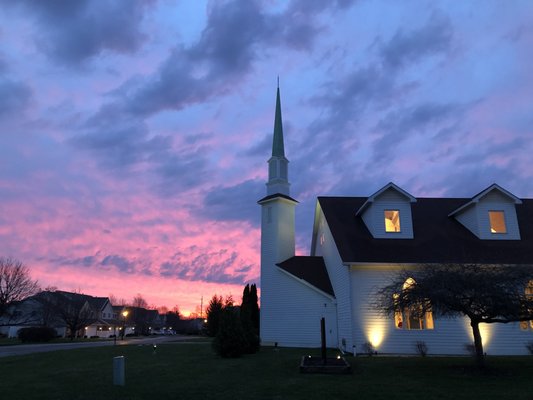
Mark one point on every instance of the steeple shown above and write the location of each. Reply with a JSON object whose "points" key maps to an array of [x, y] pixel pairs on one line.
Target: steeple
{"points": [[278, 174], [278, 149]]}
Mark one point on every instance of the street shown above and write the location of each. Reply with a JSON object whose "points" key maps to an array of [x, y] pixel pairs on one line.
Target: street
{"points": [[23, 349]]}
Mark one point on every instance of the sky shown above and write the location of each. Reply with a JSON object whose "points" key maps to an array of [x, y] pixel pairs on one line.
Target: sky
{"points": [[134, 135]]}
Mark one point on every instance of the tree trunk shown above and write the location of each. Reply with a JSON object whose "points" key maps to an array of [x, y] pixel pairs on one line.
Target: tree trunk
{"points": [[478, 344]]}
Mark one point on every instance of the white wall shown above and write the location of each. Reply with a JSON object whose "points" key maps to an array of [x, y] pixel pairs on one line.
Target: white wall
{"points": [[290, 309], [449, 336], [340, 280]]}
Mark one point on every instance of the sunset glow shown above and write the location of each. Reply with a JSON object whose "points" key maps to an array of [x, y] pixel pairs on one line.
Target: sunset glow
{"points": [[134, 144]]}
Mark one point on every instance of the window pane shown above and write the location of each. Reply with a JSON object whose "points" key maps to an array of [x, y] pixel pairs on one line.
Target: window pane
{"points": [[497, 222], [429, 320], [398, 320], [392, 221]]}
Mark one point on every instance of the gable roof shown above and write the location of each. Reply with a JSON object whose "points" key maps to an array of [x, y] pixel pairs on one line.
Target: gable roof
{"points": [[310, 269], [483, 193], [388, 186], [437, 238]]}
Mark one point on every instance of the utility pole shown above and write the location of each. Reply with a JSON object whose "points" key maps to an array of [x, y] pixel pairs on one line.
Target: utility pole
{"points": [[202, 307]]}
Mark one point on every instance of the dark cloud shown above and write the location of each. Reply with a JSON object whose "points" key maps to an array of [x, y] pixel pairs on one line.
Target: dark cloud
{"points": [[400, 124], [213, 266], [121, 263], [236, 34], [97, 260], [224, 53], [14, 97], [74, 31], [125, 145], [409, 47], [316, 6], [238, 202]]}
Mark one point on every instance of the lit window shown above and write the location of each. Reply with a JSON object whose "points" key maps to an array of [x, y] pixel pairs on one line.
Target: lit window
{"points": [[497, 222], [410, 318], [392, 221], [525, 325]]}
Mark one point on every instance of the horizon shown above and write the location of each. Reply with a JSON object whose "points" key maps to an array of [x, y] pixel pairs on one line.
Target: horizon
{"points": [[135, 137]]}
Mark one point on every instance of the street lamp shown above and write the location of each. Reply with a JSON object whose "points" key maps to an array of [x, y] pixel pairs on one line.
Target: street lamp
{"points": [[124, 314]]}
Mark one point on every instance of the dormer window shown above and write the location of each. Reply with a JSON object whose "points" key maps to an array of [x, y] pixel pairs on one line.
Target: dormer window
{"points": [[497, 222], [392, 221]]}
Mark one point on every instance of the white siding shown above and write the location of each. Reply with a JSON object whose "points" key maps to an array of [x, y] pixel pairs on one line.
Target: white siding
{"points": [[290, 310], [294, 313], [374, 215], [476, 217], [468, 218], [450, 336], [495, 201], [340, 280]]}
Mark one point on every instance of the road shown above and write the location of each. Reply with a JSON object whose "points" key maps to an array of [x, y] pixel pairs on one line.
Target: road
{"points": [[22, 349]]}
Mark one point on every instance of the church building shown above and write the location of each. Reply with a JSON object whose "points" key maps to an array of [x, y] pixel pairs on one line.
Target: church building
{"points": [[359, 242]]}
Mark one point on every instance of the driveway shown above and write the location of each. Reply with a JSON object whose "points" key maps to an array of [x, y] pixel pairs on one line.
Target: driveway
{"points": [[22, 349]]}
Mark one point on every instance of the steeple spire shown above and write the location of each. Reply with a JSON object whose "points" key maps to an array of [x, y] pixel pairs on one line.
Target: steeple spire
{"points": [[278, 173], [278, 149]]}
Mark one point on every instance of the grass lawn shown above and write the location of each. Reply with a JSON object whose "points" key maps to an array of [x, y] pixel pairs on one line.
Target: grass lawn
{"points": [[192, 371]]}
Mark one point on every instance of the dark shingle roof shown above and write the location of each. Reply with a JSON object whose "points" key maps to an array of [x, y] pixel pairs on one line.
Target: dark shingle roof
{"points": [[310, 269], [437, 237], [276, 195]]}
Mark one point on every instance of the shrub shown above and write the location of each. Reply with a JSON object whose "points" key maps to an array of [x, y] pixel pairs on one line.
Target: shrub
{"points": [[421, 348], [36, 334], [470, 348], [368, 348], [230, 340], [529, 347]]}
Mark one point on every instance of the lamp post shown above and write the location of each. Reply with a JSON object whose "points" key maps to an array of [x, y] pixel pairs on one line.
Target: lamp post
{"points": [[124, 314]]}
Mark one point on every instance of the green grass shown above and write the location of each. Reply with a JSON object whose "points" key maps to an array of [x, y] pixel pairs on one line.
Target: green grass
{"points": [[192, 371]]}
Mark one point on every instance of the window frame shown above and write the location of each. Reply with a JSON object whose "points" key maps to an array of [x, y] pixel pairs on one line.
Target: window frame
{"points": [[493, 224], [527, 325], [385, 219], [403, 320]]}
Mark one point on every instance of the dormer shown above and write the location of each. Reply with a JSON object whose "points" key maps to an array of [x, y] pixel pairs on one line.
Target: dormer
{"points": [[491, 214], [387, 213]]}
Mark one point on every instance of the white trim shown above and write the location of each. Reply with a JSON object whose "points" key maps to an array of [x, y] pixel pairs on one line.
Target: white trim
{"points": [[388, 186], [483, 193]]}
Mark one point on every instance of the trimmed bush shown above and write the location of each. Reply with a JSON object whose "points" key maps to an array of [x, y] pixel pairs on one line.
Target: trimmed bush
{"points": [[230, 340], [36, 334]]}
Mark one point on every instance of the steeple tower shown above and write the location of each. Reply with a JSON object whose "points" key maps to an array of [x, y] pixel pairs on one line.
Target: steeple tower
{"points": [[277, 234], [278, 165]]}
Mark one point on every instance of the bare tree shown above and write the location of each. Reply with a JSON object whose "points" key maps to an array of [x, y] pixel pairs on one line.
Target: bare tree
{"points": [[139, 301], [15, 283], [72, 309], [483, 293]]}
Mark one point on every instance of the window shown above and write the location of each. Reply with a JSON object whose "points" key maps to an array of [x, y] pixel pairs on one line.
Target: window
{"points": [[392, 221], [497, 222], [525, 325], [411, 319]]}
